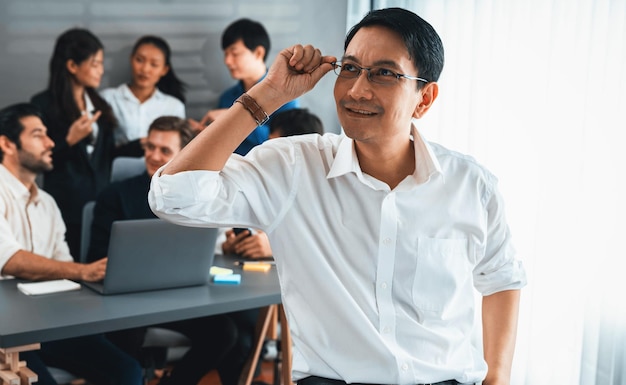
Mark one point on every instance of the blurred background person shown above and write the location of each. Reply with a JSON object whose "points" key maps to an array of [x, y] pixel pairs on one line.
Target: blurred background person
{"points": [[154, 90], [298, 121], [246, 44], [81, 124]]}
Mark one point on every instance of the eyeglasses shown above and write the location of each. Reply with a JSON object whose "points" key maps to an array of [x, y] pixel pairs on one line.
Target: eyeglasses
{"points": [[378, 75]]}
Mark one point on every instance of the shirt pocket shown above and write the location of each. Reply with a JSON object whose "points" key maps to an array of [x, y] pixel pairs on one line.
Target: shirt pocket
{"points": [[443, 273]]}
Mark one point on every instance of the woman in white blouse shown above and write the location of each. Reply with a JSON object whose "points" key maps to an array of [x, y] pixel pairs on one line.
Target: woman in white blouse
{"points": [[154, 91]]}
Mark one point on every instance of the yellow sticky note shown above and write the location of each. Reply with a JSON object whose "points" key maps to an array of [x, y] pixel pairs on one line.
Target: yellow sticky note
{"points": [[257, 266], [216, 270]]}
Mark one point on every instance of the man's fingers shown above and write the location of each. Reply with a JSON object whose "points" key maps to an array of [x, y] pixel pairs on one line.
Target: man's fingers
{"points": [[303, 57], [307, 59], [308, 54], [311, 59], [323, 68], [297, 51]]}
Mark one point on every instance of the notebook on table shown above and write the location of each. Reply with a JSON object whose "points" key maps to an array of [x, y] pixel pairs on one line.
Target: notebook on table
{"points": [[153, 254]]}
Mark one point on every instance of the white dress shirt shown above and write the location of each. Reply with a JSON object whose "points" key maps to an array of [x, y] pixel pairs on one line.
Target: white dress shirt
{"points": [[133, 117], [379, 285], [29, 220], [90, 110]]}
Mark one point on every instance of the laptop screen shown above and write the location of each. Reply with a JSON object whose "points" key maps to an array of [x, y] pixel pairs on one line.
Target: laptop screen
{"points": [[152, 254]]}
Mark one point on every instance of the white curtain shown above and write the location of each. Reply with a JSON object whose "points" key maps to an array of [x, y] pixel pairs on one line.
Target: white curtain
{"points": [[536, 91]]}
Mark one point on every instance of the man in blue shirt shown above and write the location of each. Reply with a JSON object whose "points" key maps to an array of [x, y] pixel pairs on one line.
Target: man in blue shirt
{"points": [[246, 44]]}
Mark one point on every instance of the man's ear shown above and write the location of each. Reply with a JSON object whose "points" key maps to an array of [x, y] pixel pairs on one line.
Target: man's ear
{"points": [[259, 52], [428, 95], [6, 145]]}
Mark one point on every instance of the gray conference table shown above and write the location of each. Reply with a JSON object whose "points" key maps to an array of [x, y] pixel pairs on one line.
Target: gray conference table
{"points": [[32, 319], [26, 321]]}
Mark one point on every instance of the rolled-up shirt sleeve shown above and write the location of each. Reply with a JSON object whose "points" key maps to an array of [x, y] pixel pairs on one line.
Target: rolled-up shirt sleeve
{"points": [[8, 243], [169, 200], [497, 269], [250, 191], [165, 198], [40, 231]]}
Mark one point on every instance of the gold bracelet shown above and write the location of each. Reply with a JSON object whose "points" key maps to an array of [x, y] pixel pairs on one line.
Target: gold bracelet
{"points": [[253, 107]]}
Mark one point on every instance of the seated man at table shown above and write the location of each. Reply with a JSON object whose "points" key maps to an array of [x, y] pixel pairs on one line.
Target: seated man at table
{"points": [[32, 246], [212, 337]]}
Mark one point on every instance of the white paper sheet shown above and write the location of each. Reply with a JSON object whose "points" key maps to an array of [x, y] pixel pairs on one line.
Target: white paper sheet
{"points": [[47, 287]]}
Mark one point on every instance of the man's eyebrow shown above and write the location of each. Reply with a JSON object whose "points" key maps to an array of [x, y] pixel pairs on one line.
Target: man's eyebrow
{"points": [[350, 57], [378, 63]]}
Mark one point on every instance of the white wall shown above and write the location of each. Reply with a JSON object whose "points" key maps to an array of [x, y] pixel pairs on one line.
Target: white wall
{"points": [[28, 30]]}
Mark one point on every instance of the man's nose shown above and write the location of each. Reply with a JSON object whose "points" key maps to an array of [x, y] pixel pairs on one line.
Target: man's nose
{"points": [[361, 86]]}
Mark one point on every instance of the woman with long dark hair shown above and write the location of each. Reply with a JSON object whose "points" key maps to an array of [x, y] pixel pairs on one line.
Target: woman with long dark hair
{"points": [[154, 91], [81, 124]]}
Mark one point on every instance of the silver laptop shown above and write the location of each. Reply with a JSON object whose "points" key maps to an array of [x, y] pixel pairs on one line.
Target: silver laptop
{"points": [[153, 254]]}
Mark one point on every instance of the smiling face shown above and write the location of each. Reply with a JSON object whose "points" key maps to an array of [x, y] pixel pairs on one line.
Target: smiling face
{"points": [[35, 152], [87, 73], [373, 112], [160, 148], [148, 66]]}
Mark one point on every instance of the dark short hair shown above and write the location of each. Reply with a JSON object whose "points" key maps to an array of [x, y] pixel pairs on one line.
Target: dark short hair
{"points": [[174, 123], [420, 38], [296, 121], [10, 121], [251, 32]]}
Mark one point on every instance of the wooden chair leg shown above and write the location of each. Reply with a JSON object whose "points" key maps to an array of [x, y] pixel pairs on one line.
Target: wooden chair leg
{"points": [[285, 347], [266, 316], [272, 330]]}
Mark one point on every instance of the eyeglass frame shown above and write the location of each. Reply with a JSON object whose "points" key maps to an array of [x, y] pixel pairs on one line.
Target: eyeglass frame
{"points": [[398, 76]]}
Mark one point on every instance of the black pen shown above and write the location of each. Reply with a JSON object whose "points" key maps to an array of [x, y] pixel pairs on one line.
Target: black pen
{"points": [[242, 263]]}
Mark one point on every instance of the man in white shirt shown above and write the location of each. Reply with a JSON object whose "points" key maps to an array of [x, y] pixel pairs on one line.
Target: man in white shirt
{"points": [[381, 239], [32, 246]]}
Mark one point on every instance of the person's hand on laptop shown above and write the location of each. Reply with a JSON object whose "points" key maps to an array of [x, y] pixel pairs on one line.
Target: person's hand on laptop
{"points": [[94, 272], [247, 245]]}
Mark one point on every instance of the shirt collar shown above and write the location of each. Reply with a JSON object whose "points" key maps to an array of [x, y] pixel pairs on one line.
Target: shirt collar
{"points": [[89, 104], [426, 163], [128, 94], [17, 188]]}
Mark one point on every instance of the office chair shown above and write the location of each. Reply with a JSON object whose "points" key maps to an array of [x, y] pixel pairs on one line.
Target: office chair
{"points": [[125, 166], [85, 232]]}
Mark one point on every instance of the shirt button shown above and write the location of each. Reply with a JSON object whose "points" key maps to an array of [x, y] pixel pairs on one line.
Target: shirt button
{"points": [[386, 330], [387, 241], [405, 367], [383, 285]]}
